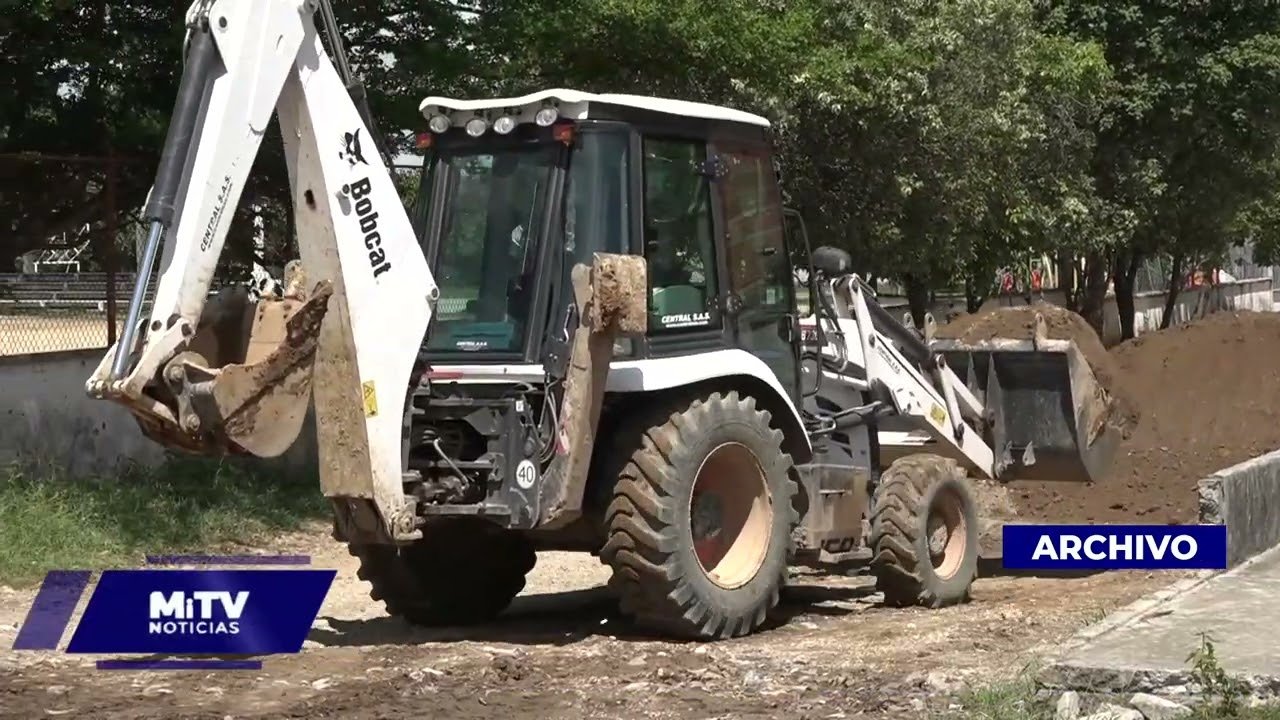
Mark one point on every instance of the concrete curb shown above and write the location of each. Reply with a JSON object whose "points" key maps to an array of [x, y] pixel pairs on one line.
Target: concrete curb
{"points": [[1144, 606], [1059, 673], [1245, 498]]}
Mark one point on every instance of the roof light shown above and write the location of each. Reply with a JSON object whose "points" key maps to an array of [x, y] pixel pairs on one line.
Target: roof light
{"points": [[439, 124], [504, 125], [563, 133], [546, 116], [476, 126]]}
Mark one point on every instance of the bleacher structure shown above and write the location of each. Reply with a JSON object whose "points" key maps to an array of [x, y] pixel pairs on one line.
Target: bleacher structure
{"points": [[62, 252], [22, 293]]}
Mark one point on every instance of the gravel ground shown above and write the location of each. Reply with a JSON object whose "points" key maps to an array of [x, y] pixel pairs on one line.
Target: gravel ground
{"points": [[561, 652]]}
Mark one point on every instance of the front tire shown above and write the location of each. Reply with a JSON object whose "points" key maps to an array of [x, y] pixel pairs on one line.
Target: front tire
{"points": [[699, 527], [461, 572], [924, 533]]}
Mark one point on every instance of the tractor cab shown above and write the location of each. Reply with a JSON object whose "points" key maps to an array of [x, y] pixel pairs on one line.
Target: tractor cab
{"points": [[516, 191]]}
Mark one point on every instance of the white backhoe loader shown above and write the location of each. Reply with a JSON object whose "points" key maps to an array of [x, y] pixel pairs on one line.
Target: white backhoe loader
{"points": [[586, 337]]}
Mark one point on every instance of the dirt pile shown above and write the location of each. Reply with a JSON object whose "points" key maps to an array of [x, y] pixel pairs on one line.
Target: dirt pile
{"points": [[1207, 395]]}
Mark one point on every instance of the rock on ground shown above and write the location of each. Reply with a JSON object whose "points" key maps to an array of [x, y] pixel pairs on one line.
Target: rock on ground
{"points": [[1157, 708], [1068, 707], [1115, 712]]}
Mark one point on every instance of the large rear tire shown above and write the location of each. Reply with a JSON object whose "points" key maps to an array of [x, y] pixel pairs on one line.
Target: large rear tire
{"points": [[461, 572], [699, 527], [924, 533]]}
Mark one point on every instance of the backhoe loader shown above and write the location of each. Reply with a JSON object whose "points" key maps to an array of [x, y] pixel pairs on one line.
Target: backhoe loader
{"points": [[586, 335]]}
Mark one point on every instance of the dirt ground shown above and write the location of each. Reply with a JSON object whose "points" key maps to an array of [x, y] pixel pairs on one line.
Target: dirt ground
{"points": [[1195, 398], [561, 652]]}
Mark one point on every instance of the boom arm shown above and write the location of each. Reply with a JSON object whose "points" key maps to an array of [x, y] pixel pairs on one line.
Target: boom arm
{"points": [[891, 364], [1012, 409], [222, 375]]}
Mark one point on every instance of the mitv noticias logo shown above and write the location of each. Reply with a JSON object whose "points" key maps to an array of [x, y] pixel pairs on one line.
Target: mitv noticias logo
{"points": [[181, 613], [203, 612]]}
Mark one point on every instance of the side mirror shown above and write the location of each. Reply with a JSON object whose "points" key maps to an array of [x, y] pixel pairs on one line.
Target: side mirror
{"points": [[831, 261]]}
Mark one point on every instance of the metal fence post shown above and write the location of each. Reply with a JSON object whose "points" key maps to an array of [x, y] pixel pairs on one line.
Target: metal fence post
{"points": [[109, 251]]}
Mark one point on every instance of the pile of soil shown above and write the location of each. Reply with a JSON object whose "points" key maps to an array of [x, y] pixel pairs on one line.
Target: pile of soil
{"points": [[1206, 395]]}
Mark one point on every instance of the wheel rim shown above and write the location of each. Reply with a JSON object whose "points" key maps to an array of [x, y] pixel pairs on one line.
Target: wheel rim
{"points": [[946, 533], [731, 515]]}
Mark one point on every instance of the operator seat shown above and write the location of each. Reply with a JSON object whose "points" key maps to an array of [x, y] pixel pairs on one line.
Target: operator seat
{"points": [[673, 290]]}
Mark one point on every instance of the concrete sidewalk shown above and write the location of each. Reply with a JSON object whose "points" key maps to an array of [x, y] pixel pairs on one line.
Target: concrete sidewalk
{"points": [[1145, 647]]}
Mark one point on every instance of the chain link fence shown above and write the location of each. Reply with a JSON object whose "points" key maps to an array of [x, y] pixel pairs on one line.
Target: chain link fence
{"points": [[68, 235], [52, 312]]}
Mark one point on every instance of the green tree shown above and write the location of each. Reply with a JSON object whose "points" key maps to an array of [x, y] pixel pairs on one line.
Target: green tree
{"points": [[81, 79], [1187, 142], [99, 78], [939, 141]]}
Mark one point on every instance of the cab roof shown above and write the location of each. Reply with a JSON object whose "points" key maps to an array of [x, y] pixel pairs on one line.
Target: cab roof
{"points": [[576, 105]]}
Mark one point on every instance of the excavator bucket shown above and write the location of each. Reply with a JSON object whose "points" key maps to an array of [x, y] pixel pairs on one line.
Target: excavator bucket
{"points": [[243, 384], [1048, 416]]}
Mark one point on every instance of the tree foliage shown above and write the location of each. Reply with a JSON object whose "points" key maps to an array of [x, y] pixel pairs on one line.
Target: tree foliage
{"points": [[937, 140]]}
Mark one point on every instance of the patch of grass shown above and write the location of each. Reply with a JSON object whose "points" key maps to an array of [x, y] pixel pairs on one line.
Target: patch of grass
{"points": [[49, 520], [1012, 700], [1224, 696], [1094, 615]]}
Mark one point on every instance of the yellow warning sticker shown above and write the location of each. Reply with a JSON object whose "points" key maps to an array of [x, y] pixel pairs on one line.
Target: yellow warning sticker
{"points": [[370, 399], [938, 414]]}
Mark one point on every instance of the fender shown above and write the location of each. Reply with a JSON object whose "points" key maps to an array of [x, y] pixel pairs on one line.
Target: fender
{"points": [[631, 376]]}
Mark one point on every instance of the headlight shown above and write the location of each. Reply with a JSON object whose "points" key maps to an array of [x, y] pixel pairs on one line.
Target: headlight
{"points": [[504, 125], [546, 116], [439, 124], [476, 126]]}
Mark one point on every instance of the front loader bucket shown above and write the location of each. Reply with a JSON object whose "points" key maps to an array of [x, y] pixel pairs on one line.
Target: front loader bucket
{"points": [[1048, 416], [243, 384]]}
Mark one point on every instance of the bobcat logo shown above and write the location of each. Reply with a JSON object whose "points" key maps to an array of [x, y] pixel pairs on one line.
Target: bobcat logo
{"points": [[351, 149]]}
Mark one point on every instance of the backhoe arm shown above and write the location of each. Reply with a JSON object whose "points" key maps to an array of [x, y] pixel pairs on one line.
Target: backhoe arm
{"points": [[227, 375]]}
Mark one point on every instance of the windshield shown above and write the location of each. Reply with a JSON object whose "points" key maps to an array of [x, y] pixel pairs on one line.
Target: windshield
{"points": [[485, 260]]}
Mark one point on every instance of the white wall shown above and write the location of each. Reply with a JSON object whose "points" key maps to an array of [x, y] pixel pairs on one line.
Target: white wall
{"points": [[46, 415], [1238, 295], [1257, 295]]}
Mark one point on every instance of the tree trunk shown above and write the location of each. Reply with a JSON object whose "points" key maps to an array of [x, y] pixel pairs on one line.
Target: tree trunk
{"points": [[1175, 285], [1124, 271], [972, 299], [1067, 281], [917, 298], [1094, 299]]}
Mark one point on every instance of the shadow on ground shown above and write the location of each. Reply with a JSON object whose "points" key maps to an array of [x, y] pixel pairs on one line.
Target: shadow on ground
{"points": [[564, 618], [993, 567]]}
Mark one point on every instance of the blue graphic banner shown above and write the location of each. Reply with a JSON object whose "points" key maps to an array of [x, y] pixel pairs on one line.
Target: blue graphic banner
{"points": [[1115, 547], [49, 614], [208, 611]]}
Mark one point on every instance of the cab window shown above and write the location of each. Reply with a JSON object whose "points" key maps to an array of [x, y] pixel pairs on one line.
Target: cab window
{"points": [[679, 242]]}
